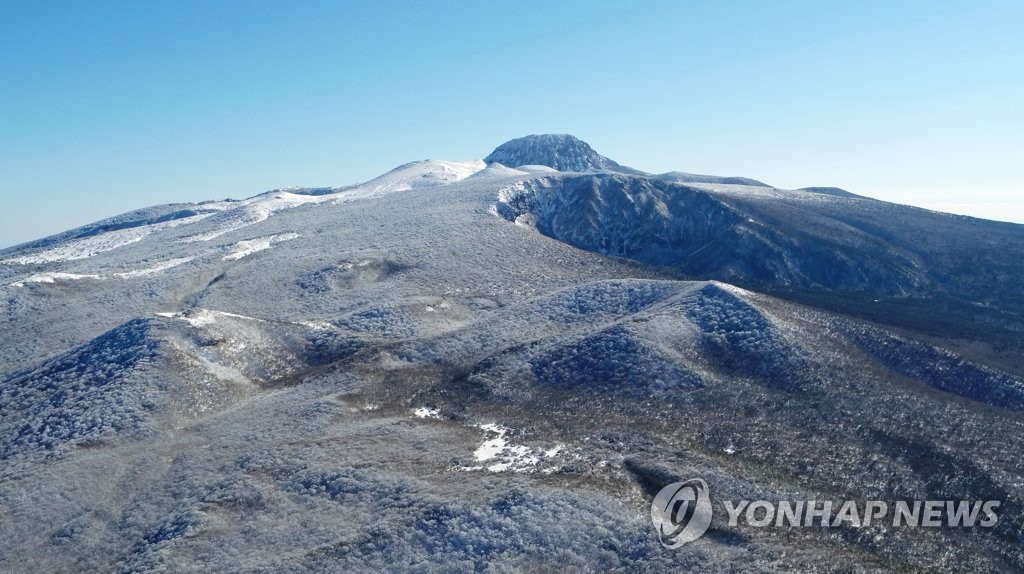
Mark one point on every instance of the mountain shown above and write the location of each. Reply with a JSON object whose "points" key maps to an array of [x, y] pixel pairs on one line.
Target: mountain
{"points": [[774, 237], [493, 365], [558, 151]]}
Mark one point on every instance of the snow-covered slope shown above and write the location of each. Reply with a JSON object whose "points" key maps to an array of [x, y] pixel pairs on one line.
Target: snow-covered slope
{"points": [[222, 217], [427, 173], [388, 377], [558, 151], [680, 177]]}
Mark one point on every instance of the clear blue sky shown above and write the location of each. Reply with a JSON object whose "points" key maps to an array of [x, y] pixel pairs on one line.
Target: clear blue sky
{"points": [[109, 106]]}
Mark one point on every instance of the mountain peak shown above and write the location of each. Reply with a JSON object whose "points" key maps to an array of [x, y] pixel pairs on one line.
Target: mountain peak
{"points": [[559, 151]]}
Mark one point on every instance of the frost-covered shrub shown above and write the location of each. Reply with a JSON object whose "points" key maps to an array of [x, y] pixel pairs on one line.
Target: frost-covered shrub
{"points": [[614, 360], [84, 393], [604, 298], [941, 369], [738, 338], [381, 321]]}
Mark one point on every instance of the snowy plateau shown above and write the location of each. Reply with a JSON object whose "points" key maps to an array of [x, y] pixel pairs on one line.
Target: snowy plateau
{"points": [[494, 365]]}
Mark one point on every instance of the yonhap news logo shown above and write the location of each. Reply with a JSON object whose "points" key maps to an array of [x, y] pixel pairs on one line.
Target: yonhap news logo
{"points": [[682, 512]]}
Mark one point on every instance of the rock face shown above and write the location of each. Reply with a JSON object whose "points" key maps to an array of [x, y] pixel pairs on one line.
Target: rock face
{"points": [[558, 151], [703, 234], [772, 238]]}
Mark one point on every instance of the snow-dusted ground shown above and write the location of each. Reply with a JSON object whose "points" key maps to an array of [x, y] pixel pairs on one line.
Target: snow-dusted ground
{"points": [[389, 377], [90, 246], [250, 246], [415, 175], [229, 216], [50, 277], [233, 216]]}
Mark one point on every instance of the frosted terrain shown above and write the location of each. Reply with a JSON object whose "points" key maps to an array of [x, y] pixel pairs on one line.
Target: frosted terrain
{"points": [[491, 366]]}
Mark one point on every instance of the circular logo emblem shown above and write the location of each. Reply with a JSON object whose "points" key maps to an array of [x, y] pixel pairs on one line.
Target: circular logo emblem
{"points": [[681, 512]]}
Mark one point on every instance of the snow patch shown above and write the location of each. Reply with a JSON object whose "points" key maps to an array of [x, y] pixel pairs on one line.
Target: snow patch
{"points": [[81, 248], [96, 244], [536, 169], [52, 277], [730, 288], [236, 215], [250, 246], [497, 454], [203, 317], [427, 413], [153, 270], [552, 452]]}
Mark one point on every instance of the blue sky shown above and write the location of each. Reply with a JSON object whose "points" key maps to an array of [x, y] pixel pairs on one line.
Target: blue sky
{"points": [[110, 106]]}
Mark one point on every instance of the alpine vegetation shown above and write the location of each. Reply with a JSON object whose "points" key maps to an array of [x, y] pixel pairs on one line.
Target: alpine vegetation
{"points": [[497, 365]]}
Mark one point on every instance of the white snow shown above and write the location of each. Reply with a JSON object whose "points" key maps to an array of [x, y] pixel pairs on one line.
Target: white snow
{"points": [[492, 447], [81, 248], [202, 317], [101, 243], [228, 216], [427, 413], [497, 170], [729, 287], [154, 269], [224, 372], [770, 193], [428, 173], [52, 277], [318, 325], [248, 247], [235, 215], [551, 452], [415, 175], [500, 456], [536, 169]]}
